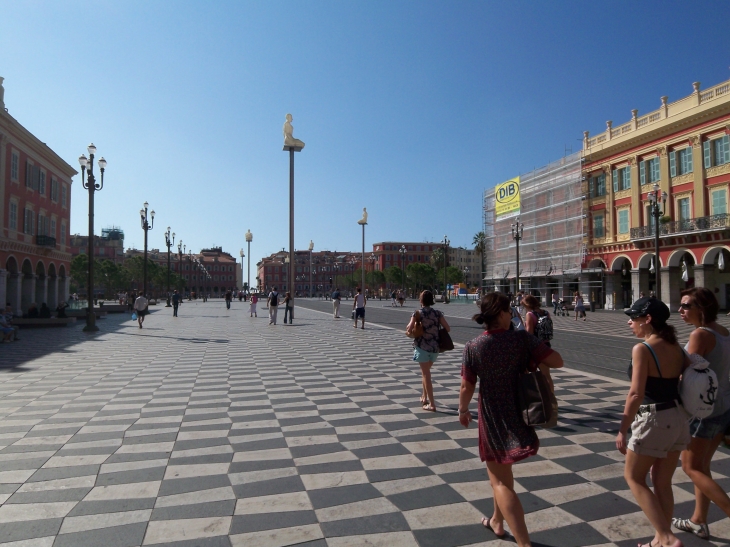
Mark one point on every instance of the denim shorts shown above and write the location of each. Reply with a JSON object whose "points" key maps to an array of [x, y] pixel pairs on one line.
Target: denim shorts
{"points": [[709, 428], [423, 356]]}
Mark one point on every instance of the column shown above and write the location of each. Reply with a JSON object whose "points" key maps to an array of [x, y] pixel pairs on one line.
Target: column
{"points": [[66, 281], [699, 275], [698, 171], [635, 193], [610, 289], [13, 292], [52, 294], [41, 288], [671, 287], [635, 284], [4, 278], [27, 291]]}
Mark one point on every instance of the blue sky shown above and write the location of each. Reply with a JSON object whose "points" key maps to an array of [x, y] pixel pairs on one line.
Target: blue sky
{"points": [[411, 109]]}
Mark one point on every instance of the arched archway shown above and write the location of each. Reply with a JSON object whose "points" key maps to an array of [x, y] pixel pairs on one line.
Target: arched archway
{"points": [[12, 284], [713, 271], [62, 284], [52, 289], [619, 287], [41, 283], [27, 285]]}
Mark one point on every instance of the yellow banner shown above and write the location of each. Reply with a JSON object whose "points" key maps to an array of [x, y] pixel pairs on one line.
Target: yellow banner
{"points": [[507, 199]]}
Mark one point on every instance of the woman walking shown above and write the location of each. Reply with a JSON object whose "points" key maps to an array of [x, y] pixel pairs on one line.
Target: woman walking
{"points": [[252, 306], [497, 358], [711, 340], [533, 313], [288, 308], [426, 347], [659, 430], [580, 306]]}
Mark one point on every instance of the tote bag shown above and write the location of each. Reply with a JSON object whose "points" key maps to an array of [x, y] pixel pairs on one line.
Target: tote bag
{"points": [[534, 397], [445, 341]]}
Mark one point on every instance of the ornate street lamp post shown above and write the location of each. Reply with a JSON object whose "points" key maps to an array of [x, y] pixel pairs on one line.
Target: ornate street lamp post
{"points": [[146, 226], [242, 257], [249, 239], [466, 279], [517, 229], [336, 268], [445, 242], [180, 253], [311, 248], [403, 252], [89, 183], [363, 222], [169, 242], [657, 212]]}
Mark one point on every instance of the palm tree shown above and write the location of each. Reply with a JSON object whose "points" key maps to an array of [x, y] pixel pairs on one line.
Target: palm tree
{"points": [[480, 246]]}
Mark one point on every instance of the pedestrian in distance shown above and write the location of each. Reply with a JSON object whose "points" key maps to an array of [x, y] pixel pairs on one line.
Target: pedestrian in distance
{"points": [[393, 297], [580, 306], [288, 307], [497, 358], [229, 297], [176, 299], [537, 321], [659, 429], [358, 305], [426, 346], [336, 300], [556, 303], [711, 340], [140, 306], [273, 302], [252, 305]]}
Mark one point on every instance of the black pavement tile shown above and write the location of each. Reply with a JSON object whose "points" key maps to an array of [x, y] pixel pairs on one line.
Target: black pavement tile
{"points": [[53, 473], [48, 496], [25, 463], [442, 494], [543, 482], [198, 417], [359, 420], [316, 450], [23, 448], [269, 488], [381, 475], [136, 475], [472, 475], [319, 431], [599, 447], [585, 461], [266, 444], [159, 437], [575, 535], [200, 443], [452, 536], [467, 443], [201, 460], [381, 451], [137, 457], [110, 506], [619, 483], [222, 508], [242, 524], [259, 465], [555, 441], [420, 437], [329, 497], [192, 484], [129, 535], [484, 506], [88, 437], [404, 424], [253, 418], [438, 457], [253, 431], [531, 503], [206, 427], [18, 531], [377, 524], [602, 506], [8, 488], [218, 541], [332, 467], [352, 437]]}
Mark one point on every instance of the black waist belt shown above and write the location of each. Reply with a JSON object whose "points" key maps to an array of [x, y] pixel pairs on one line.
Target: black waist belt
{"points": [[658, 406]]}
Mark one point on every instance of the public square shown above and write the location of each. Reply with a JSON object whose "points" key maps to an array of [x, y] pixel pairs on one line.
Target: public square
{"points": [[216, 429]]}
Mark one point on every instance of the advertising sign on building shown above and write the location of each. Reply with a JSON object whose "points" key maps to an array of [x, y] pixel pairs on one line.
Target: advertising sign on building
{"points": [[507, 199]]}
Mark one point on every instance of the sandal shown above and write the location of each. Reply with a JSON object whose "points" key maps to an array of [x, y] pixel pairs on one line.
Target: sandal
{"points": [[430, 407], [424, 401], [686, 525], [487, 523]]}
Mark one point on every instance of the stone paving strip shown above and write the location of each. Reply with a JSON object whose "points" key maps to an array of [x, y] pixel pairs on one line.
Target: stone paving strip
{"points": [[215, 429]]}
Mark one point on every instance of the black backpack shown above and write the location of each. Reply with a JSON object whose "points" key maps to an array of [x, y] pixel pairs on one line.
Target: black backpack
{"points": [[544, 327], [274, 299]]}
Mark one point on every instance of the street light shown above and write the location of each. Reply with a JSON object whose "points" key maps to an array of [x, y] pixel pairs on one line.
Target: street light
{"points": [[656, 211], [403, 252], [249, 239], [146, 226], [242, 257], [180, 253], [89, 183], [517, 229], [311, 248], [336, 268], [291, 145], [169, 242], [445, 242], [363, 222]]}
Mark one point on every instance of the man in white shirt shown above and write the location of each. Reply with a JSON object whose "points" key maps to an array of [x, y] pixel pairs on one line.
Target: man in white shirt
{"points": [[140, 306], [359, 306]]}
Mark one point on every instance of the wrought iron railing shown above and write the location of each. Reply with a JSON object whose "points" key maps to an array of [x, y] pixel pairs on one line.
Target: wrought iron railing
{"points": [[45, 241], [714, 222]]}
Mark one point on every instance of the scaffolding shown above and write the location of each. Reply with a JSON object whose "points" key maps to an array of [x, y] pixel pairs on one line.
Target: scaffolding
{"points": [[552, 249]]}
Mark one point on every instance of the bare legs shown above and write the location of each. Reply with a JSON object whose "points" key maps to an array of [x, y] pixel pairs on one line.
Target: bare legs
{"points": [[658, 505], [427, 386], [506, 503], [696, 462]]}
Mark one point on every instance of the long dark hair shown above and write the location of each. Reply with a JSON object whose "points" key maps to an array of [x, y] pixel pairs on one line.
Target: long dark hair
{"points": [[491, 306], [705, 301], [665, 331]]}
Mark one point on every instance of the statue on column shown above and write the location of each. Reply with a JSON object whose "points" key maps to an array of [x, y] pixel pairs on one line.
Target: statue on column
{"points": [[2, 93], [289, 139], [364, 219]]}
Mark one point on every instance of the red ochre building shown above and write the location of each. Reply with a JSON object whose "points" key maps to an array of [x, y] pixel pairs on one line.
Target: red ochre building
{"points": [[35, 184], [683, 147], [326, 268]]}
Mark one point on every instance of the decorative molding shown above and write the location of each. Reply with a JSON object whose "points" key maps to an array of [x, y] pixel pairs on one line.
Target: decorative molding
{"points": [[717, 170], [623, 237], [631, 160], [682, 179], [695, 141], [622, 194]]}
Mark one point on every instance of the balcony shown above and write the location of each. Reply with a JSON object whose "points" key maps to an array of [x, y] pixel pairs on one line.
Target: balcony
{"points": [[694, 225], [45, 241]]}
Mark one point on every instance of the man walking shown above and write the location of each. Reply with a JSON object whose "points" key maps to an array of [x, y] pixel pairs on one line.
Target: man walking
{"points": [[359, 306], [140, 306], [273, 302], [336, 299], [229, 297], [175, 302]]}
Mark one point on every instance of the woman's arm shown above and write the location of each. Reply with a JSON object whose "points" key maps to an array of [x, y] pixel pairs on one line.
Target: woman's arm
{"points": [[444, 324], [530, 322], [639, 359], [465, 394], [701, 342], [554, 360]]}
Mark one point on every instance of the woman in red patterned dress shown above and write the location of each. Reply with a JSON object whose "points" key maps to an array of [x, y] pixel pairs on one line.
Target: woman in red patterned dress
{"points": [[497, 358]]}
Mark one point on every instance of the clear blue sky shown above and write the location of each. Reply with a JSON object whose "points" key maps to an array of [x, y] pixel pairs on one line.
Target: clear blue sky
{"points": [[410, 109]]}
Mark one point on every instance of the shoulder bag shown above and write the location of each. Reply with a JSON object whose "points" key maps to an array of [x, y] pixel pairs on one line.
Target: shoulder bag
{"points": [[417, 330], [534, 398], [445, 341]]}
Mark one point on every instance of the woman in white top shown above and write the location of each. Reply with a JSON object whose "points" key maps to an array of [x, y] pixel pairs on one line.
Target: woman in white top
{"points": [[711, 340]]}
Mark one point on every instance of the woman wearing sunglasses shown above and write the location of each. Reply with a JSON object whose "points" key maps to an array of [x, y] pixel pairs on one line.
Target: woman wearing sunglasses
{"points": [[658, 424], [711, 340]]}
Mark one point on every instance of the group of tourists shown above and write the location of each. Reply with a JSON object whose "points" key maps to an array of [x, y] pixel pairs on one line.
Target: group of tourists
{"points": [[663, 428]]}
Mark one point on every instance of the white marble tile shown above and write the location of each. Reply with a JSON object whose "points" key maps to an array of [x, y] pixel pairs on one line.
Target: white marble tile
{"points": [[142, 448], [19, 512], [391, 462], [248, 477], [199, 496], [87, 481], [358, 509], [456, 514], [278, 503], [281, 537], [389, 488], [332, 480], [262, 455], [195, 470], [132, 466], [341, 456], [169, 531], [103, 520], [70, 461], [124, 491]]}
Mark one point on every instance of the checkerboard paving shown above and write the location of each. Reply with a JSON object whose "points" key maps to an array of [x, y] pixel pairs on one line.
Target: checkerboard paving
{"points": [[215, 429]]}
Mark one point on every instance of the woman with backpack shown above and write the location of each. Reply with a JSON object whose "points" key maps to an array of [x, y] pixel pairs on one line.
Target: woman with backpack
{"points": [[711, 340], [580, 306], [537, 321], [659, 430], [426, 346]]}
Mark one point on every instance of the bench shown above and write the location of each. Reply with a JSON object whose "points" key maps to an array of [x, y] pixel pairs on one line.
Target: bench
{"points": [[82, 313], [112, 308], [40, 323]]}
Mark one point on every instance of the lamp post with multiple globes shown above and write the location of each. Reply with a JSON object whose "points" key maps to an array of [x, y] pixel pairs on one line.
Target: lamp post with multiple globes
{"points": [[147, 225], [445, 242], [657, 211], [242, 257], [169, 242], [249, 239], [403, 252], [180, 253]]}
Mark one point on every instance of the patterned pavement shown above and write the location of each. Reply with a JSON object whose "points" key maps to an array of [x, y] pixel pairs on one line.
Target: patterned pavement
{"points": [[215, 429]]}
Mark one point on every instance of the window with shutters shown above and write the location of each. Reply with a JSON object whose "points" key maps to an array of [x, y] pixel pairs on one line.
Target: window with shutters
{"points": [[54, 190], [683, 209], [680, 162], [53, 228], [63, 195], [716, 151], [14, 166], [13, 217], [598, 227], [598, 186], [63, 233], [623, 221], [621, 178], [719, 201], [42, 182], [28, 222], [649, 171]]}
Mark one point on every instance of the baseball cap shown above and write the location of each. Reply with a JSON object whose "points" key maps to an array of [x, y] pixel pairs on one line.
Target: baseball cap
{"points": [[649, 305]]}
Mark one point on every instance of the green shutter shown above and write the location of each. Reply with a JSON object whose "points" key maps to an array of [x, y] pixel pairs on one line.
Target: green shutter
{"points": [[627, 178], [591, 188], [706, 152], [642, 172], [726, 148], [672, 163], [688, 154], [615, 180]]}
